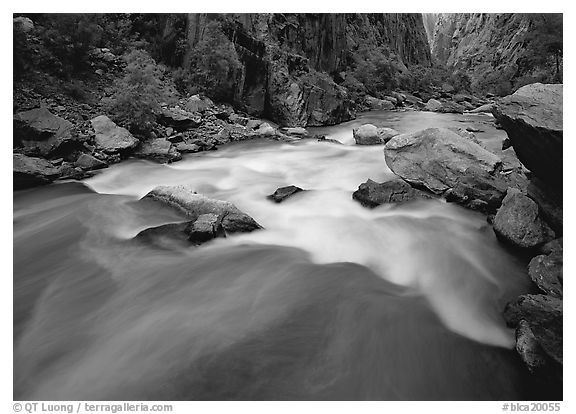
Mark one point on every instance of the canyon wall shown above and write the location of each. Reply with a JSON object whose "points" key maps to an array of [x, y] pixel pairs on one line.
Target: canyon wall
{"points": [[290, 61]]}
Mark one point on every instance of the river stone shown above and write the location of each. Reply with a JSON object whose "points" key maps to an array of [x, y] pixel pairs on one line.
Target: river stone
{"points": [[445, 163], [265, 130], [205, 228], [434, 105], [197, 104], [179, 119], [372, 194], [486, 108], [546, 270], [159, 149], [550, 201], [532, 117], [283, 193], [192, 205], [185, 147], [31, 171], [88, 162], [111, 138], [369, 134], [41, 133], [544, 316], [518, 222], [296, 131], [379, 104]]}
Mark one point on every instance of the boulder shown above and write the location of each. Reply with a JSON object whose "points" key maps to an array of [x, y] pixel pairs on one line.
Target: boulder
{"points": [[539, 332], [369, 134], [550, 201], [372, 194], [434, 105], [31, 171], [193, 205], [296, 131], [179, 119], [532, 118], [254, 123], [159, 149], [518, 222], [41, 133], [111, 138], [546, 271], [88, 162], [448, 164], [206, 227], [24, 24], [379, 104], [197, 104], [283, 193], [184, 147], [265, 130]]}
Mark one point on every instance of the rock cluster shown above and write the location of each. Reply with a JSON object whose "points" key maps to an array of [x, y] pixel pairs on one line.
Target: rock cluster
{"points": [[206, 218]]}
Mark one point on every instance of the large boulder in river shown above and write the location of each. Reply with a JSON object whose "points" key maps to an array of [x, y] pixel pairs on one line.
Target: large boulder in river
{"points": [[192, 205], [372, 194], [158, 149], [369, 134], [111, 138], [41, 133], [31, 171], [532, 118], [518, 222], [448, 164]]}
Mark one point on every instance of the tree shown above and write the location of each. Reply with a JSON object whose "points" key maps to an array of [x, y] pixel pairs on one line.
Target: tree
{"points": [[214, 64], [139, 93], [545, 42]]}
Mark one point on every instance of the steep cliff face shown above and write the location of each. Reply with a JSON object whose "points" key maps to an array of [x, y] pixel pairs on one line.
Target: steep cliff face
{"points": [[289, 60], [430, 20], [497, 50]]}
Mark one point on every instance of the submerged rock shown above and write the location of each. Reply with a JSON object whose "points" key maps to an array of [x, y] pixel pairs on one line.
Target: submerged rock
{"points": [[372, 194], [447, 164], [532, 118], [30, 171], [111, 138], [194, 205], [518, 222], [283, 193]]}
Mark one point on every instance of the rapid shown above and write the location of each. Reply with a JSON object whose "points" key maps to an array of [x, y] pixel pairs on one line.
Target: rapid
{"points": [[331, 301]]}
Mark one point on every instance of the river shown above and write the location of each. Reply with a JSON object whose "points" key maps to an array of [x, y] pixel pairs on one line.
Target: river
{"points": [[330, 301]]}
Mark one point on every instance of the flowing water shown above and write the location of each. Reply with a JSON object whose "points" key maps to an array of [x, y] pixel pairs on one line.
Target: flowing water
{"points": [[330, 301]]}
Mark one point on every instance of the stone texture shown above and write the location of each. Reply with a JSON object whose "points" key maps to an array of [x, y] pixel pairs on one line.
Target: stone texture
{"points": [[532, 118], [159, 149], [283, 193], [445, 163], [518, 222], [372, 194], [88, 162], [30, 171], [111, 138]]}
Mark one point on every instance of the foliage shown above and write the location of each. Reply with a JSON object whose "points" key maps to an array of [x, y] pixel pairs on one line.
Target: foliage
{"points": [[375, 69], [545, 43], [214, 65], [139, 93]]}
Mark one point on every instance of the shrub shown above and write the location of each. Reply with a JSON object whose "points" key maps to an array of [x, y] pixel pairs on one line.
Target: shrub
{"points": [[214, 64], [139, 93], [375, 70]]}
